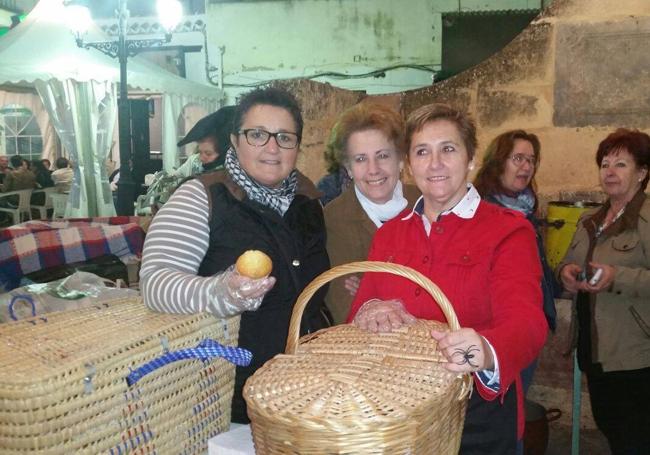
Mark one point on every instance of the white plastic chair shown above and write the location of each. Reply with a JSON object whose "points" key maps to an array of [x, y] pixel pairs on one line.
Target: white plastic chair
{"points": [[59, 201], [7, 204], [47, 204]]}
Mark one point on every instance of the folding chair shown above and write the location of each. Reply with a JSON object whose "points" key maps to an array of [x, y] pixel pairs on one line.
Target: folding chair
{"points": [[47, 202], [8, 204], [59, 201]]}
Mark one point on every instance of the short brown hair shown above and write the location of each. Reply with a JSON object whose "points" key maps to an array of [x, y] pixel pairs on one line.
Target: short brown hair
{"points": [[488, 178], [634, 141], [364, 117], [434, 112]]}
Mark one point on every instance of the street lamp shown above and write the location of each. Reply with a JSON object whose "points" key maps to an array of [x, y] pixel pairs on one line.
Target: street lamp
{"points": [[169, 12]]}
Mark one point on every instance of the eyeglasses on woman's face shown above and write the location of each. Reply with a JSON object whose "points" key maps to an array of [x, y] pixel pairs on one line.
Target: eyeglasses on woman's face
{"points": [[519, 159], [267, 162], [258, 137]]}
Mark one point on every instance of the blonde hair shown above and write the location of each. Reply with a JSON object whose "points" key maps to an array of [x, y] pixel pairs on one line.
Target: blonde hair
{"points": [[363, 117]]}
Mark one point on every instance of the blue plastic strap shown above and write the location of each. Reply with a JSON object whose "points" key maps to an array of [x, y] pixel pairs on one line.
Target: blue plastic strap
{"points": [[18, 298], [205, 350]]}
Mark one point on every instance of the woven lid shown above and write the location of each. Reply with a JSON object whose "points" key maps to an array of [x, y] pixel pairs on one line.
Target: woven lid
{"points": [[64, 387], [56, 348], [343, 374]]}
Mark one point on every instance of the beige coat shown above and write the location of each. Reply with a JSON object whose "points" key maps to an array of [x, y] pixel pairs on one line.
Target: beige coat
{"points": [[621, 315], [349, 233]]}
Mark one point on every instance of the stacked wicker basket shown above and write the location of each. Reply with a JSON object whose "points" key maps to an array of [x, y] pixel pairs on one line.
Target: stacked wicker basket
{"points": [[344, 390], [63, 387]]}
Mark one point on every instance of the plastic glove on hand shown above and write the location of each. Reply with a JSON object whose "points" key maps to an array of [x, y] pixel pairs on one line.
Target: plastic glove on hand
{"points": [[231, 293], [382, 316], [247, 293], [352, 284]]}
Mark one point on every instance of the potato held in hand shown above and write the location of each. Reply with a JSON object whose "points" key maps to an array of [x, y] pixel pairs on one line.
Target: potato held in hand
{"points": [[254, 264]]}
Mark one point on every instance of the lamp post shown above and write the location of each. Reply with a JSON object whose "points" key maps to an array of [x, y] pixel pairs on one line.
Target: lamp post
{"points": [[170, 13]]}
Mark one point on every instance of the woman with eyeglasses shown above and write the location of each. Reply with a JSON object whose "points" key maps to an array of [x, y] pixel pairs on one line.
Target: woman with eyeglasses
{"points": [[258, 202], [507, 178]]}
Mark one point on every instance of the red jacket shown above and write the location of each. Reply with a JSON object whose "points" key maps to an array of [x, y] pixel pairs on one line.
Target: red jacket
{"points": [[489, 269]]}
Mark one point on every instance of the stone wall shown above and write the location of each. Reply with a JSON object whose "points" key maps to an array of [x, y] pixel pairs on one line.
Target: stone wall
{"points": [[321, 104], [579, 71]]}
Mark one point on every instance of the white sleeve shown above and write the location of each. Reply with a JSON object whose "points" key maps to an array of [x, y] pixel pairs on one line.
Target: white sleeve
{"points": [[490, 378]]}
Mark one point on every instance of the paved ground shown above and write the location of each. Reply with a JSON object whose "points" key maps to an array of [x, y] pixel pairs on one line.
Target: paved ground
{"points": [[553, 388], [592, 442]]}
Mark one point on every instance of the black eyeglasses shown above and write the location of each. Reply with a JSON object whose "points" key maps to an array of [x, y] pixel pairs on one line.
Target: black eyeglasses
{"points": [[259, 137]]}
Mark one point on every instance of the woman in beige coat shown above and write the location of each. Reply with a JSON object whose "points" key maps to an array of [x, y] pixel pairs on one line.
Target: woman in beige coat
{"points": [[607, 268], [368, 140]]}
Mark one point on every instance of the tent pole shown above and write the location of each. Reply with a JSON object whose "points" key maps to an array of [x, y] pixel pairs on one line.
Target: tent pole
{"points": [[125, 185], [122, 49]]}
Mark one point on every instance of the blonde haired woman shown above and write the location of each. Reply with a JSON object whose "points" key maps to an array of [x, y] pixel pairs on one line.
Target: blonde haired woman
{"points": [[368, 142]]}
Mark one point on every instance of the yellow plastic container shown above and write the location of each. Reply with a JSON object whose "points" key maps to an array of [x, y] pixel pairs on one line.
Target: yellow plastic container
{"points": [[562, 220]]}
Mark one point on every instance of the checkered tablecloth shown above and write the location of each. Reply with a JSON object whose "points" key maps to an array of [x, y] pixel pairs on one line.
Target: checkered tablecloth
{"points": [[38, 245]]}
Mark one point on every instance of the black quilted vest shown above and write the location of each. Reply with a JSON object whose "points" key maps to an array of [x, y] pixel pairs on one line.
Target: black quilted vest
{"points": [[296, 244]]}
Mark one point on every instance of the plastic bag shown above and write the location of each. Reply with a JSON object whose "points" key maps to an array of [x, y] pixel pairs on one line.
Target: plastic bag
{"points": [[78, 290]]}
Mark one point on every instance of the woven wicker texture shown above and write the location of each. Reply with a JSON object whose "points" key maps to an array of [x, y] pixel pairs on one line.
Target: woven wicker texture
{"points": [[349, 391], [63, 387]]}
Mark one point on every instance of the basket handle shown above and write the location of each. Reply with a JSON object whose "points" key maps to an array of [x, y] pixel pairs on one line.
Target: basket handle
{"points": [[26, 298], [205, 350], [365, 266]]}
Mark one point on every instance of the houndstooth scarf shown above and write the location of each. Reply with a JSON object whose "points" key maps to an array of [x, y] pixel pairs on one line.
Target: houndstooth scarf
{"points": [[277, 199]]}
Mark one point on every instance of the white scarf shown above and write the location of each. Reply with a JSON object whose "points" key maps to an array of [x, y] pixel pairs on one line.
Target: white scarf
{"points": [[380, 213]]}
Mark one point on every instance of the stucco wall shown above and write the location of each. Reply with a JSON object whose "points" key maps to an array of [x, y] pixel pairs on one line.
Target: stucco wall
{"points": [[270, 40]]}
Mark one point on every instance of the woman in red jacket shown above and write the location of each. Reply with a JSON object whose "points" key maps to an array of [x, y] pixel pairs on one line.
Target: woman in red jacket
{"points": [[483, 257]]}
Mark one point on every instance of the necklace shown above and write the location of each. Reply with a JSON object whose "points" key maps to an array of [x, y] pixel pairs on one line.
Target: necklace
{"points": [[606, 224]]}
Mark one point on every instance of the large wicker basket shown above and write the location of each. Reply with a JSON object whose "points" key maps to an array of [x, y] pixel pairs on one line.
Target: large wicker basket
{"points": [[345, 390], [63, 386]]}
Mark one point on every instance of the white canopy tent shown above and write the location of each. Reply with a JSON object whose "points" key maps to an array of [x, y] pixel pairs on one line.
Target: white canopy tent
{"points": [[77, 90]]}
